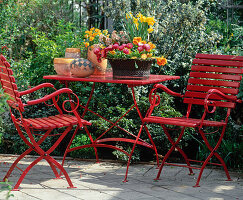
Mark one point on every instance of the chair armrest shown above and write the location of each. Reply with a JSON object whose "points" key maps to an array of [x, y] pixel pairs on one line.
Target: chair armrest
{"points": [[43, 85], [221, 94], [50, 96], [208, 102], [167, 90]]}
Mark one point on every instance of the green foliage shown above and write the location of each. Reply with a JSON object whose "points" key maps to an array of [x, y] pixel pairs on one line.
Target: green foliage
{"points": [[6, 186], [231, 148]]}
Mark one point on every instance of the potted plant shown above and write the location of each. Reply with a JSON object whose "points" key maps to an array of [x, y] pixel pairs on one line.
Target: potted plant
{"points": [[130, 52], [92, 40]]}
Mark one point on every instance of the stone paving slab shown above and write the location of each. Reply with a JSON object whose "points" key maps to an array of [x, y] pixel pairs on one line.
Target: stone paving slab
{"points": [[103, 181]]}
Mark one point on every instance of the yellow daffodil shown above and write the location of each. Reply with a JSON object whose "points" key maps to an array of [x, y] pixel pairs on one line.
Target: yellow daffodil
{"points": [[143, 19], [150, 21], [139, 15], [150, 30], [92, 29]]}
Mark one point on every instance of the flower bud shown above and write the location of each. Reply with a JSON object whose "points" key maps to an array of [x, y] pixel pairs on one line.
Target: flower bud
{"points": [[96, 51], [129, 45], [121, 47], [140, 49], [146, 47], [126, 51], [115, 46]]}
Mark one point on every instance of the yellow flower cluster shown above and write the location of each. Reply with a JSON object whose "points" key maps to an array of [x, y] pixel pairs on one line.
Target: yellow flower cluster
{"points": [[143, 19], [92, 34]]}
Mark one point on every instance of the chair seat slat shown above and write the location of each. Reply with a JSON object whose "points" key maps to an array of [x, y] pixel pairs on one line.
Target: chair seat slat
{"points": [[74, 121], [49, 124], [206, 88], [58, 124], [216, 69], [214, 82], [38, 121], [217, 62], [215, 76], [71, 117], [56, 118], [34, 124]]}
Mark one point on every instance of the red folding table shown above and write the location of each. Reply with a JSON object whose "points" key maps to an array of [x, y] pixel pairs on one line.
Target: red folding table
{"points": [[101, 141]]}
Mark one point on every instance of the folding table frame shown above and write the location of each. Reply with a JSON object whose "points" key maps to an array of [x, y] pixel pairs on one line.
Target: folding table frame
{"points": [[101, 142]]}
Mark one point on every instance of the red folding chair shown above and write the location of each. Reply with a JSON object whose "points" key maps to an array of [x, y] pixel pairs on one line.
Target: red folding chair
{"points": [[214, 82], [29, 129]]}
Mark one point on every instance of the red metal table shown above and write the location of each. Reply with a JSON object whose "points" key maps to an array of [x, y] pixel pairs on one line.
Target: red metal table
{"points": [[99, 141]]}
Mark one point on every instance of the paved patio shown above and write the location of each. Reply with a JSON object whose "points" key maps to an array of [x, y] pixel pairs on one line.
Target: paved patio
{"points": [[103, 181]]}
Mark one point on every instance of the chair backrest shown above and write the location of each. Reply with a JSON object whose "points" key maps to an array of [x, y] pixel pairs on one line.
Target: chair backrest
{"points": [[222, 72], [8, 84]]}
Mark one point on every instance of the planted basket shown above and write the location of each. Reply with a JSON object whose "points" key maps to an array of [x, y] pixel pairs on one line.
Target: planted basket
{"points": [[130, 68]]}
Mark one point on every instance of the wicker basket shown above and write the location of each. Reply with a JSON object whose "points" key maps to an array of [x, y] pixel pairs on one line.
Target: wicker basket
{"points": [[130, 68]]}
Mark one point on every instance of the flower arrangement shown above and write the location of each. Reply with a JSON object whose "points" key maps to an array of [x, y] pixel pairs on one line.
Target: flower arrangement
{"points": [[132, 43]]}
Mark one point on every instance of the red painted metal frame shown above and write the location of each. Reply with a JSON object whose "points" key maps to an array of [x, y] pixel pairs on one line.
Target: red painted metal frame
{"points": [[100, 142], [27, 127], [214, 82]]}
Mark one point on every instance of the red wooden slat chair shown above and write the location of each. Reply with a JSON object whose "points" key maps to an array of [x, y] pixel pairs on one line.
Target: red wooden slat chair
{"points": [[214, 81], [27, 127]]}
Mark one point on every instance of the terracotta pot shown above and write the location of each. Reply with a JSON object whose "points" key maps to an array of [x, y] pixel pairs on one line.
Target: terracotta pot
{"points": [[81, 67], [62, 66], [130, 68], [72, 53], [100, 67]]}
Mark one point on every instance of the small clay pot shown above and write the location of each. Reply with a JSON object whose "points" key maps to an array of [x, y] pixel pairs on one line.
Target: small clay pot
{"points": [[72, 53], [81, 67], [62, 66]]}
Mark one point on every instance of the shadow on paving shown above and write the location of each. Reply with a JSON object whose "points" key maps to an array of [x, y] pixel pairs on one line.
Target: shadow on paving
{"points": [[103, 181]]}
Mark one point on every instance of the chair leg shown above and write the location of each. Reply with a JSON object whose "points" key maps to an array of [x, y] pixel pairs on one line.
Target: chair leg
{"points": [[213, 153], [26, 152], [174, 144], [44, 155], [152, 142], [92, 141], [68, 147], [130, 156], [25, 172], [178, 148]]}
